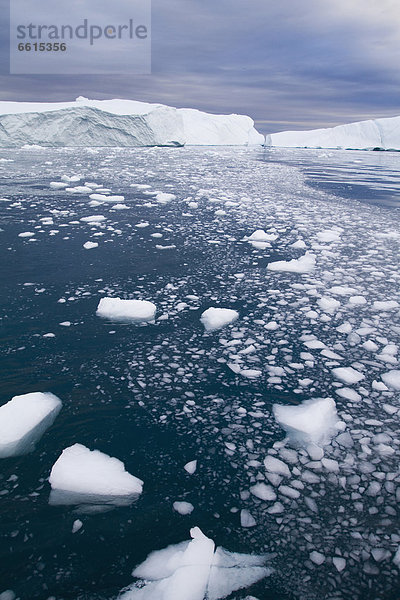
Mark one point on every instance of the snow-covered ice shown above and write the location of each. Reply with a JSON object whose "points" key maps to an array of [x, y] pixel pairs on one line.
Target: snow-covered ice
{"points": [[117, 122], [313, 421], [363, 135], [83, 476], [304, 264], [216, 318], [23, 421], [117, 309], [195, 570]]}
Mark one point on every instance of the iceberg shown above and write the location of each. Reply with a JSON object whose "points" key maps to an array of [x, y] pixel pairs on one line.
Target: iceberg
{"points": [[100, 123], [194, 570], [116, 309], [81, 476], [23, 421], [376, 134]]}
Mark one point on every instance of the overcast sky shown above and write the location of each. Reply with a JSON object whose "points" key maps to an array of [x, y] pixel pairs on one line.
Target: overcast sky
{"points": [[290, 64]]}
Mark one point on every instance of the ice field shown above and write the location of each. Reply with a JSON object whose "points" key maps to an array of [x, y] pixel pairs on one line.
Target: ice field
{"points": [[222, 328]]}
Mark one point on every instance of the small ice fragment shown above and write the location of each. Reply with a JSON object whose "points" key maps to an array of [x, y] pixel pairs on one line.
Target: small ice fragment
{"points": [[90, 245], [348, 375], [275, 465], [191, 467], [183, 508], [392, 379], [216, 318], [247, 519], [76, 526], [340, 563], [317, 558], [304, 264], [263, 491]]}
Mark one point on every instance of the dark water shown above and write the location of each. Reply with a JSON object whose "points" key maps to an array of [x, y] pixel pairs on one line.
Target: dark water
{"points": [[160, 395]]}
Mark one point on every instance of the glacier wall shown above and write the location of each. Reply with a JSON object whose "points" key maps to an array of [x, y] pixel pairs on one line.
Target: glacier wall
{"points": [[383, 134], [97, 123]]}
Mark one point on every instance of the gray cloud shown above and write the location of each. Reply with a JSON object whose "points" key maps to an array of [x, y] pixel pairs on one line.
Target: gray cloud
{"points": [[289, 64]]}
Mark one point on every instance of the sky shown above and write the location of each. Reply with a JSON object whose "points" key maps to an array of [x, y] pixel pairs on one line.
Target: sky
{"points": [[289, 64]]}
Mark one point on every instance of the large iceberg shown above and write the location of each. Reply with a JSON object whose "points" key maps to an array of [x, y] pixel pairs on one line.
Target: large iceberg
{"points": [[119, 123], [89, 477], [382, 134], [116, 309], [23, 421], [195, 570]]}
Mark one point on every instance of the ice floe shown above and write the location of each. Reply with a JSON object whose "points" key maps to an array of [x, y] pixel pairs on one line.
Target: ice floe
{"points": [[195, 570], [23, 421], [81, 476], [216, 318], [117, 309]]}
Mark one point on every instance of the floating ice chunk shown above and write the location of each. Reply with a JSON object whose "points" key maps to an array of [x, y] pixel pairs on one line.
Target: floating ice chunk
{"points": [[317, 558], [116, 309], [328, 235], [163, 197], [357, 300], [58, 185], [26, 234], [247, 519], [194, 571], [312, 422], [93, 219], [328, 304], [304, 264], [216, 318], [263, 491], [183, 508], [347, 375], [23, 421], [392, 379], [300, 244], [83, 476], [340, 563], [385, 305], [348, 394], [8, 595], [275, 465], [261, 236], [77, 525], [120, 207], [89, 245], [79, 189], [99, 197], [191, 467]]}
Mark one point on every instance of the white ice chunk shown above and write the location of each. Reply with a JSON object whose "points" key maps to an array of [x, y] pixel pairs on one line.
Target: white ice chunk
{"points": [[117, 309], [304, 264], [216, 318], [263, 491], [311, 422], [382, 306], [191, 467], [392, 379], [83, 476], [23, 421], [275, 465], [348, 375], [194, 571], [183, 508], [328, 235], [89, 245]]}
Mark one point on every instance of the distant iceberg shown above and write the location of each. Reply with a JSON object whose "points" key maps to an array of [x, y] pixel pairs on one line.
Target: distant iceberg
{"points": [[377, 134], [99, 123]]}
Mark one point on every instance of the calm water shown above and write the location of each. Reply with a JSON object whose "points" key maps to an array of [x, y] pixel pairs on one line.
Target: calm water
{"points": [[163, 394]]}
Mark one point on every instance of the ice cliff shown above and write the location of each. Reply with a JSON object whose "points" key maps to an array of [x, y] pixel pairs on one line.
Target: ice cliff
{"points": [[382, 134], [119, 123]]}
